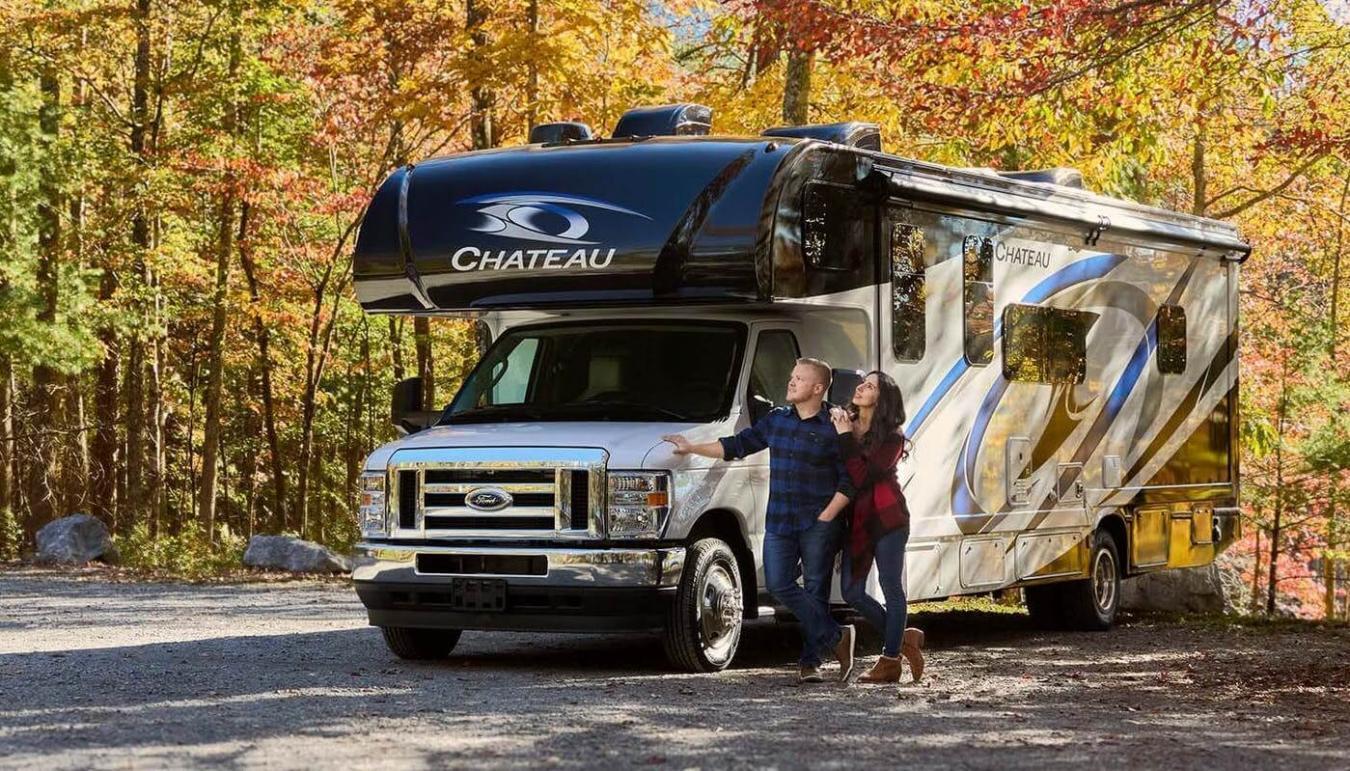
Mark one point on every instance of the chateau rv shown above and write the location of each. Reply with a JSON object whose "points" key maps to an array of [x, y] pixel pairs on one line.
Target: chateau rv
{"points": [[1068, 362]]}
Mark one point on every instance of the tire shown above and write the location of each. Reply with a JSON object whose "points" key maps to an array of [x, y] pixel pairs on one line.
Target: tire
{"points": [[420, 644], [1091, 605], [1088, 605], [1043, 604], [703, 624]]}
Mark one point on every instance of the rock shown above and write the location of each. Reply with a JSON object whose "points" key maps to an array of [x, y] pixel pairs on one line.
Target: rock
{"points": [[284, 552], [74, 540], [1185, 590]]}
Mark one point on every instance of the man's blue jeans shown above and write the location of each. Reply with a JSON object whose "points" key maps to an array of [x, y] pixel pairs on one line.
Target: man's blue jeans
{"points": [[810, 554]]}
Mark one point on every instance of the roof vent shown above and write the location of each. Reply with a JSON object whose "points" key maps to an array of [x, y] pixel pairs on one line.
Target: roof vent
{"points": [[1060, 175], [864, 136], [667, 120], [556, 133]]}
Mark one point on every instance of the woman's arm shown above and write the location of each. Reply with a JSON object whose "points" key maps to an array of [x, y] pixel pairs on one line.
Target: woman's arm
{"points": [[865, 468]]}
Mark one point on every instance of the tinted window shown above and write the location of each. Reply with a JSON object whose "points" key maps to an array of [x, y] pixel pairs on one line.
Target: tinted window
{"points": [[1171, 340], [907, 292], [977, 269], [1045, 345], [585, 372], [775, 356], [835, 228]]}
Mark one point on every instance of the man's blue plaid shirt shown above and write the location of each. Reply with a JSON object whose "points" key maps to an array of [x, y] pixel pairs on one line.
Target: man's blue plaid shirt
{"points": [[805, 468]]}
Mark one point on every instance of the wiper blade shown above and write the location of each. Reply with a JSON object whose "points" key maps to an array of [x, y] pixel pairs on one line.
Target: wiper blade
{"points": [[496, 411], [620, 404]]}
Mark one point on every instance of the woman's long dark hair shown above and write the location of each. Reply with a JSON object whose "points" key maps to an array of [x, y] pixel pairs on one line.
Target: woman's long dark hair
{"points": [[888, 416]]}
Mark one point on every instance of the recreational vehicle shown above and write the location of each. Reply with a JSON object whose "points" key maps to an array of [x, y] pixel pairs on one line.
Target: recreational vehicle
{"points": [[1068, 363]]}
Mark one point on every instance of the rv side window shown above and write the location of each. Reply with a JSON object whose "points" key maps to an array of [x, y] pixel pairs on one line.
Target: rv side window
{"points": [[907, 292], [977, 258], [834, 228], [1045, 345], [1066, 338], [1024, 351], [1171, 340]]}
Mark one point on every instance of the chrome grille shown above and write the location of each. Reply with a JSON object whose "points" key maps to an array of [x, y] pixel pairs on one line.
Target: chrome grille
{"points": [[543, 492]]}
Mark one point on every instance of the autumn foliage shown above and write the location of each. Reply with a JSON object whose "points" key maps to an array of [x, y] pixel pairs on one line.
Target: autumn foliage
{"points": [[180, 349]]}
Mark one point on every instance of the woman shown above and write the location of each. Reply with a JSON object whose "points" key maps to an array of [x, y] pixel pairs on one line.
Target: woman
{"points": [[871, 443]]}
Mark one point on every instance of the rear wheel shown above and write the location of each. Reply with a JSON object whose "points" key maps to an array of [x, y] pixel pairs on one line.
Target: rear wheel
{"points": [[1044, 606], [703, 625], [420, 644], [1088, 605]]}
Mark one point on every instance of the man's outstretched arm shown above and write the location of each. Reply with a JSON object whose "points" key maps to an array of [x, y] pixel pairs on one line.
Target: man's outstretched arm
{"points": [[683, 446]]}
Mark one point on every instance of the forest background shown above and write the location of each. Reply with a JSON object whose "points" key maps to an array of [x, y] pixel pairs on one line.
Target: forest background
{"points": [[181, 353]]}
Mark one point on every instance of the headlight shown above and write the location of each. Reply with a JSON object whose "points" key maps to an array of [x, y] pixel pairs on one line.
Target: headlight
{"points": [[374, 519], [638, 503]]}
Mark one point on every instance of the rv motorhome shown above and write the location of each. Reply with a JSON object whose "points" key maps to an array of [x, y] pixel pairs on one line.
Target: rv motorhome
{"points": [[1068, 361]]}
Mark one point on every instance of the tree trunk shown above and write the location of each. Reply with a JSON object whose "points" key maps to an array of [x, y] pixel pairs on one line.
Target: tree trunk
{"points": [[264, 339], [6, 438], [1272, 576], [215, 355], [396, 348], [7, 453], [103, 460], [483, 99], [426, 365], [1199, 179], [45, 467], [134, 371], [797, 87], [1330, 564], [532, 72]]}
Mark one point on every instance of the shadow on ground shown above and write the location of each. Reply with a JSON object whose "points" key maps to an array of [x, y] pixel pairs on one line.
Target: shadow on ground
{"points": [[1000, 695]]}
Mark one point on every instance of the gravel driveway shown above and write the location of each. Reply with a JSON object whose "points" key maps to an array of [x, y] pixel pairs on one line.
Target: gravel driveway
{"points": [[287, 675]]}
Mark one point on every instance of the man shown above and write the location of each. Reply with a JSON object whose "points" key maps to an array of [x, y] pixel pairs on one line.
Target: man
{"points": [[808, 488]]}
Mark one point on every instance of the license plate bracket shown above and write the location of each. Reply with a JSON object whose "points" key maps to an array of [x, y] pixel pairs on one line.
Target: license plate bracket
{"points": [[478, 594]]}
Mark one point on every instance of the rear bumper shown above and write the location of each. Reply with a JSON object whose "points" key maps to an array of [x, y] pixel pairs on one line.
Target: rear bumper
{"points": [[568, 590]]}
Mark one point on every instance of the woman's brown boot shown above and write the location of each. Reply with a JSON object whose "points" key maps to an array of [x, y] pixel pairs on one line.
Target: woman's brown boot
{"points": [[886, 670], [911, 648]]}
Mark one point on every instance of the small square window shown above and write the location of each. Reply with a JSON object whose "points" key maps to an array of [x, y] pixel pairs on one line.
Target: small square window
{"points": [[835, 228]]}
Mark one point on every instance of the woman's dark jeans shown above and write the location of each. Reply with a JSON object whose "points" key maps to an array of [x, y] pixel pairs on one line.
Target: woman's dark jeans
{"points": [[889, 619]]}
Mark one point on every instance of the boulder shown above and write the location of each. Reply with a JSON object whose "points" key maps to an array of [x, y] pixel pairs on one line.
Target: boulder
{"points": [[1184, 590], [285, 552], [74, 540]]}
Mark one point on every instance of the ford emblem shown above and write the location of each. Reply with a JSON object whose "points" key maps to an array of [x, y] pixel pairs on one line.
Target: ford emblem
{"points": [[487, 499]]}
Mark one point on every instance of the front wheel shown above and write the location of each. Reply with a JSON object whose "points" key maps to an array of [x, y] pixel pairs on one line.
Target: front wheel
{"points": [[420, 644], [703, 625]]}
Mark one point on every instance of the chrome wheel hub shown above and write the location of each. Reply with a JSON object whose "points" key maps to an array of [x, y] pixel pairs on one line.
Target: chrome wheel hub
{"points": [[719, 611], [1104, 580]]}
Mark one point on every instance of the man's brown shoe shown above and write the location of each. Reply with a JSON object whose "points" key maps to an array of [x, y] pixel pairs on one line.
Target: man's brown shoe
{"points": [[809, 673], [844, 651], [886, 670]]}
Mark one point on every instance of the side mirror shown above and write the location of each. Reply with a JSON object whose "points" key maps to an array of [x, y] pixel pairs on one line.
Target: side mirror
{"points": [[841, 390], [405, 410], [759, 407]]}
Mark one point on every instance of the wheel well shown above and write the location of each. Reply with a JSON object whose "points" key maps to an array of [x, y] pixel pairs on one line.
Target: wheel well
{"points": [[720, 523], [1115, 525]]}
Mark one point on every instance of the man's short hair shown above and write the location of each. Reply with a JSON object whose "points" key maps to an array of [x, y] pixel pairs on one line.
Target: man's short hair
{"points": [[821, 368]]}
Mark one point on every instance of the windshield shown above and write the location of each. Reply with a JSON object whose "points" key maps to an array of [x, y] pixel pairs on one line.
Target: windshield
{"points": [[634, 372]]}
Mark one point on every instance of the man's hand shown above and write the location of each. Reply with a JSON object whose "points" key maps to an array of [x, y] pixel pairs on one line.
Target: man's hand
{"points": [[682, 446]]}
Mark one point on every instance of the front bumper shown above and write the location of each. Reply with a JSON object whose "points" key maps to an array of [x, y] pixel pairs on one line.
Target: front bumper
{"points": [[575, 589]]}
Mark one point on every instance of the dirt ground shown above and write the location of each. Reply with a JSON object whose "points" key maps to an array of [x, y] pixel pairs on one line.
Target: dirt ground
{"points": [[106, 674]]}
